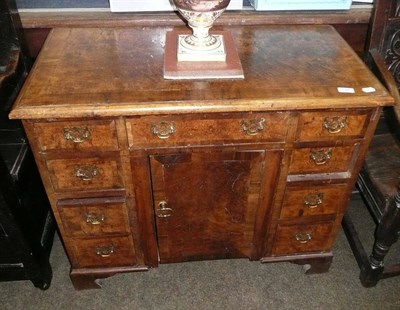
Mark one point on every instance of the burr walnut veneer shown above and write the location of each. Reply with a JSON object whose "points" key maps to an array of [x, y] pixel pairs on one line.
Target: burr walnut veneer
{"points": [[141, 170]]}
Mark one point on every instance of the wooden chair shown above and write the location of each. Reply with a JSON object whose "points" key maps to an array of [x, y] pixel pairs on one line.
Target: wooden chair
{"points": [[379, 180]]}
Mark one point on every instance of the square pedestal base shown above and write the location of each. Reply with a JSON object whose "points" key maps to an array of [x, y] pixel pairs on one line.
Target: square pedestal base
{"points": [[186, 54], [231, 68]]}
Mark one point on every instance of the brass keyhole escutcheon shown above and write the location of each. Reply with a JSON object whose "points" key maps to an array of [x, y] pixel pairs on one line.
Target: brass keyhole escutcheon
{"points": [[163, 210]]}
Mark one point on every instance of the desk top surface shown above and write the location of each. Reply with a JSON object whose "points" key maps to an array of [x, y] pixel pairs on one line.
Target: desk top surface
{"points": [[87, 72]]}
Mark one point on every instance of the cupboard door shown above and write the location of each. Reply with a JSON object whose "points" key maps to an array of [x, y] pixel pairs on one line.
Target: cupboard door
{"points": [[205, 203]]}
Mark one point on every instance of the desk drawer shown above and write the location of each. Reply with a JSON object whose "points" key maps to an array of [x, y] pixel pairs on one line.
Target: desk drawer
{"points": [[79, 135], [302, 238], [85, 174], [321, 160], [324, 126], [91, 217], [189, 130], [104, 252], [302, 202]]}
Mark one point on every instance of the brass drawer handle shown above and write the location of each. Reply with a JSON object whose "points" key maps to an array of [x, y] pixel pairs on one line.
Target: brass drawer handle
{"points": [[253, 126], [76, 134], [334, 124], [86, 173], [313, 200], [163, 130], [321, 156], [104, 251], [163, 210], [95, 219], [303, 237]]}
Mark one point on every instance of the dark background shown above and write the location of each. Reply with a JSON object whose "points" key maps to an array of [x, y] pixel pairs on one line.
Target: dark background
{"points": [[63, 4]]}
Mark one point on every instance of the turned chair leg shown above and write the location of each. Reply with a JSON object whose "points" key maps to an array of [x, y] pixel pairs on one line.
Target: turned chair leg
{"points": [[387, 233]]}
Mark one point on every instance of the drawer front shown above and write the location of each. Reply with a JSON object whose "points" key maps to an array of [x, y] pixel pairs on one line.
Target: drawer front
{"points": [[104, 252], [321, 160], [85, 174], [90, 219], [179, 130], [322, 126], [312, 201], [80, 135], [302, 239]]}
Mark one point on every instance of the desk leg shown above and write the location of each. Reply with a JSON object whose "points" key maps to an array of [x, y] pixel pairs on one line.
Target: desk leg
{"points": [[315, 265], [83, 279]]}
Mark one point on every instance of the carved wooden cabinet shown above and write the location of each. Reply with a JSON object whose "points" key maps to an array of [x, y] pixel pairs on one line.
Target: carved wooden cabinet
{"points": [[141, 170]]}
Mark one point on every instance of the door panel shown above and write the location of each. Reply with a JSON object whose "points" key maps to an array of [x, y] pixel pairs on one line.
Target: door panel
{"points": [[205, 203]]}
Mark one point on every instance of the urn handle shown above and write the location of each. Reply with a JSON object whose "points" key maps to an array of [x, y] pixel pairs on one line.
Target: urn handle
{"points": [[86, 173], [303, 237], [321, 156], [95, 219], [163, 130], [334, 124], [105, 251], [76, 134], [313, 200], [253, 126]]}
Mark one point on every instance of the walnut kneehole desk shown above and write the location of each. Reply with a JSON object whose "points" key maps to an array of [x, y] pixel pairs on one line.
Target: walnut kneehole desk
{"points": [[141, 170]]}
